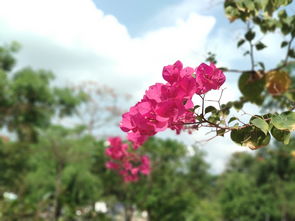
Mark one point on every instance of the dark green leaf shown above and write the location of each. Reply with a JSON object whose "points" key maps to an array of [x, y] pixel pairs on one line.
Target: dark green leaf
{"points": [[251, 137], [251, 86], [246, 53], [232, 119], [282, 14], [196, 107], [210, 109], [281, 135], [220, 132], [260, 46], [284, 44], [238, 105], [240, 42], [261, 65], [250, 35], [291, 53]]}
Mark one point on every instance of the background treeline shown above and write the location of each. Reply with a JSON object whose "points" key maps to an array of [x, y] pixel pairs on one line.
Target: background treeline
{"points": [[52, 172]]}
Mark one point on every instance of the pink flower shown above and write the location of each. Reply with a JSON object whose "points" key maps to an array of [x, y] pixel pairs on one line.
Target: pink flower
{"points": [[188, 86], [128, 164], [171, 73], [111, 165], [134, 171], [117, 149], [130, 178], [145, 167], [136, 138], [154, 93], [208, 78], [171, 109], [125, 124]]}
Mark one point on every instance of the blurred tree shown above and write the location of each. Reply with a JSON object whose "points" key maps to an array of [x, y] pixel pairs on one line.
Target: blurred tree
{"points": [[59, 181], [28, 100], [260, 186]]}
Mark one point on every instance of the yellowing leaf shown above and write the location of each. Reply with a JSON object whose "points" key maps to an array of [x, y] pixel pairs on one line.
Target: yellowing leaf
{"points": [[277, 82]]}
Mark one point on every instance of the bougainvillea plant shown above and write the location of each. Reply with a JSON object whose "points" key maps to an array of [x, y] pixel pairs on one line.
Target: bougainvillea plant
{"points": [[163, 106], [170, 105]]}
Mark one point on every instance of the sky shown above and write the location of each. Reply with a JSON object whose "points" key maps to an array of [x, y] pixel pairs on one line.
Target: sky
{"points": [[125, 44]]}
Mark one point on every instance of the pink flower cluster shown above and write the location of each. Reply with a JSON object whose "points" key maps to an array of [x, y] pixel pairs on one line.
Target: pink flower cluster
{"points": [[164, 105], [169, 105], [129, 165]]}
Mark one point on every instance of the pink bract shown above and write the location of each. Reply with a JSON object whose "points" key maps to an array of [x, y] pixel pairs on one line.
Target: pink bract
{"points": [[169, 105], [164, 105], [128, 164], [171, 72], [208, 78]]}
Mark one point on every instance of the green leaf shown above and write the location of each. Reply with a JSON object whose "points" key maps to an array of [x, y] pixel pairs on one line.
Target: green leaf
{"points": [[282, 14], [196, 107], [210, 109], [240, 42], [246, 53], [236, 126], [281, 135], [291, 53], [250, 35], [259, 46], [232, 119], [199, 117], [284, 121], [251, 86], [285, 28], [214, 118], [261, 124], [251, 137], [264, 3], [220, 132], [249, 4], [261, 65], [284, 44], [238, 105]]}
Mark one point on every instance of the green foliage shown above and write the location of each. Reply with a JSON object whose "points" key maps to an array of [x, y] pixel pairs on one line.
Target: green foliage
{"points": [[239, 200], [251, 86], [7, 61], [260, 186], [270, 89], [257, 133], [284, 121], [28, 101], [251, 137], [281, 135], [58, 174]]}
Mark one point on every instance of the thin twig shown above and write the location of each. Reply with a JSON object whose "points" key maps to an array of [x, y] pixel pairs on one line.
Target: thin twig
{"points": [[288, 49], [251, 54]]}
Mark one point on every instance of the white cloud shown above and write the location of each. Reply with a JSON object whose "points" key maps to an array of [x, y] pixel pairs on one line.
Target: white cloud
{"points": [[182, 9], [79, 42]]}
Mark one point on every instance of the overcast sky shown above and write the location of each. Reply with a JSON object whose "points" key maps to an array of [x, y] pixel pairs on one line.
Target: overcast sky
{"points": [[125, 44]]}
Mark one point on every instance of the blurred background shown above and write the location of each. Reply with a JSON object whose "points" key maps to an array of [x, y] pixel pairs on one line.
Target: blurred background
{"points": [[70, 68]]}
